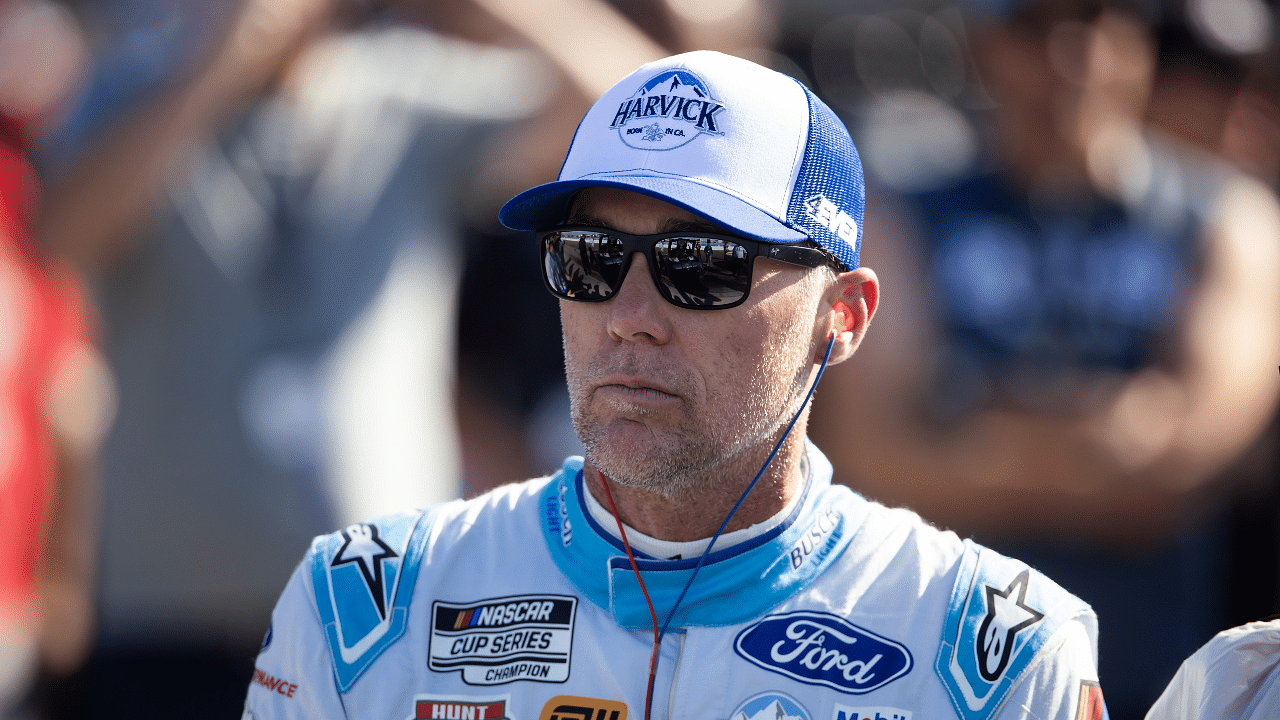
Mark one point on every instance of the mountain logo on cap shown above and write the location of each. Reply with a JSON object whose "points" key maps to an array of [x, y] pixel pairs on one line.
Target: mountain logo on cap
{"points": [[670, 110]]}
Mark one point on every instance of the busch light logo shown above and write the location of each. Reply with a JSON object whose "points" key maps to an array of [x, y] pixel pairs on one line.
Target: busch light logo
{"points": [[557, 515], [822, 649], [667, 112], [566, 527]]}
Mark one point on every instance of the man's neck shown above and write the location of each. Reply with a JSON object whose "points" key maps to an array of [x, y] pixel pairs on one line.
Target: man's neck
{"points": [[698, 515]]}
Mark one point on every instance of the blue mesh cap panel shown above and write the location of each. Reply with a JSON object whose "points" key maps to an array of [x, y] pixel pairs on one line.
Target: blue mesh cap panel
{"points": [[827, 201]]}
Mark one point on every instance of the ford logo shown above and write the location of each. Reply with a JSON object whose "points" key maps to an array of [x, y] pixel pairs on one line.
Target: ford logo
{"points": [[822, 649]]}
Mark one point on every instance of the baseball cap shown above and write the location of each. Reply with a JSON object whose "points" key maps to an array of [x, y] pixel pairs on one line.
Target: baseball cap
{"points": [[749, 148]]}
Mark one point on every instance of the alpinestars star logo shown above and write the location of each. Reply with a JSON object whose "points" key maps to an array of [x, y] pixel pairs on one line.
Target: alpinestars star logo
{"points": [[362, 546], [1007, 615]]}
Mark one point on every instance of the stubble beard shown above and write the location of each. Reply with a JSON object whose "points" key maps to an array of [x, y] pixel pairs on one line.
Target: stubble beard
{"points": [[697, 453]]}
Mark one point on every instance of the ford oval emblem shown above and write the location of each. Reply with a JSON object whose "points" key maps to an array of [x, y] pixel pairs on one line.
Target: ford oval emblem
{"points": [[823, 649]]}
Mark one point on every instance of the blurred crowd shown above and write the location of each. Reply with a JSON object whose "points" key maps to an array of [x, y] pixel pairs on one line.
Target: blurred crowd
{"points": [[252, 288]]}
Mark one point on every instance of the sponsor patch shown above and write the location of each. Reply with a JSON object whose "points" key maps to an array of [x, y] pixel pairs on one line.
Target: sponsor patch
{"points": [[266, 639], [362, 548], [560, 516], [830, 216], [1000, 614], [844, 712], [363, 579], [815, 540], [823, 649], [1091, 705], [501, 640], [429, 707], [273, 683], [770, 706], [1007, 616], [669, 110], [574, 707]]}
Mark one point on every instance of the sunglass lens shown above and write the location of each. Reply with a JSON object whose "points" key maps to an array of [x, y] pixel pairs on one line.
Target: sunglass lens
{"points": [[583, 265], [702, 272]]}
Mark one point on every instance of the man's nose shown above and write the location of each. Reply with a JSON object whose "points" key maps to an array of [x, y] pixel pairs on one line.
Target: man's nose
{"points": [[637, 313]]}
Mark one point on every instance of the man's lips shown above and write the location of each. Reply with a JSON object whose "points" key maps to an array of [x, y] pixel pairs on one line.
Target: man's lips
{"points": [[637, 390]]}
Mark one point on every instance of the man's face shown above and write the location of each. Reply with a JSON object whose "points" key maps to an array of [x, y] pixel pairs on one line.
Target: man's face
{"points": [[667, 399]]}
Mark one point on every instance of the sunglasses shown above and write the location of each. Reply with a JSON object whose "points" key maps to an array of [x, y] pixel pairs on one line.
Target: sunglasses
{"points": [[696, 270]]}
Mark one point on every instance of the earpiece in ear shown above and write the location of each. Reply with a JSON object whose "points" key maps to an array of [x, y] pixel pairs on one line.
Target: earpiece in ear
{"points": [[845, 315]]}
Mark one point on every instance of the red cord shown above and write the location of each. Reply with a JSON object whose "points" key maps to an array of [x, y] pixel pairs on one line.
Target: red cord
{"points": [[657, 634], [653, 657]]}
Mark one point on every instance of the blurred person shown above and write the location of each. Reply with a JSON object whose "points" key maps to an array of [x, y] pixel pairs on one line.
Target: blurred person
{"points": [[502, 401], [1217, 84], [501, 396], [55, 393], [1215, 90], [1084, 334], [703, 241], [267, 207], [619, 34]]}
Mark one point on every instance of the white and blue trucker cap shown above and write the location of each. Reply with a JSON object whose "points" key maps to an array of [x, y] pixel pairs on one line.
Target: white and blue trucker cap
{"points": [[751, 149]]}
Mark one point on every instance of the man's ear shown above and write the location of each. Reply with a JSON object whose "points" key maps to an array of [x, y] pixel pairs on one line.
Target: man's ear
{"points": [[848, 306]]}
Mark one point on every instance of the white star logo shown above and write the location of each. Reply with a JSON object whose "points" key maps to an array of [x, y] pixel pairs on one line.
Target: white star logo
{"points": [[362, 546], [1007, 615]]}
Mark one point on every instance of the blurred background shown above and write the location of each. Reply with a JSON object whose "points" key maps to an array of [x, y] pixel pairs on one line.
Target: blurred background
{"points": [[252, 289]]}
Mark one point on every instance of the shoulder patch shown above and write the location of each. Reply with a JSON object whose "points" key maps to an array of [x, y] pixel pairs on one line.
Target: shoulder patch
{"points": [[1001, 613], [363, 578]]}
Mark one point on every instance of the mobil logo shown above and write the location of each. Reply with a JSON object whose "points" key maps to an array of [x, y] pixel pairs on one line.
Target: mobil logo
{"points": [[823, 649], [844, 712]]}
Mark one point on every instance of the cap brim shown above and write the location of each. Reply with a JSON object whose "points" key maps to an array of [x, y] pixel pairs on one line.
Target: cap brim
{"points": [[547, 205]]}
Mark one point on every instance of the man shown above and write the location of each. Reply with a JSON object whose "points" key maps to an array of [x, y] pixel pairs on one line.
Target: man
{"points": [[703, 237]]}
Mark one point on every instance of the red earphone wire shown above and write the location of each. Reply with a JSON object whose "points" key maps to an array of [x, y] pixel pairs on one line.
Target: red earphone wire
{"points": [[626, 545], [653, 657]]}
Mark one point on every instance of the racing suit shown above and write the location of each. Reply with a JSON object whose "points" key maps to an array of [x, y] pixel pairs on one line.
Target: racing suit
{"points": [[519, 604]]}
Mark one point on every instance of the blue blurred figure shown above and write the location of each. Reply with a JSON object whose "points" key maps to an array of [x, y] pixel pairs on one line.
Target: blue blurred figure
{"points": [[1083, 338], [265, 196]]}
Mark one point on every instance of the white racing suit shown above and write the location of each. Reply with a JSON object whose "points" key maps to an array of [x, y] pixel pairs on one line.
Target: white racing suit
{"points": [[518, 605]]}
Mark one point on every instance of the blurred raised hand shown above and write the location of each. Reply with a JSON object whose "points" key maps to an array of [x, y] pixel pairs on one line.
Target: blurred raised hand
{"points": [[98, 206]]}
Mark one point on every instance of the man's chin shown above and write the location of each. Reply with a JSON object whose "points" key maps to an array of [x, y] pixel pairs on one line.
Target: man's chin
{"points": [[626, 460], [630, 454]]}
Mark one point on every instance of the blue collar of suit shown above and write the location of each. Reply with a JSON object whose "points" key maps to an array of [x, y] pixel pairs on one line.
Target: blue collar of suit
{"points": [[735, 585]]}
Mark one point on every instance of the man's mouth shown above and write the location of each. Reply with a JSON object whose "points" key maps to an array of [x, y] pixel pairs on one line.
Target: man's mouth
{"points": [[637, 391]]}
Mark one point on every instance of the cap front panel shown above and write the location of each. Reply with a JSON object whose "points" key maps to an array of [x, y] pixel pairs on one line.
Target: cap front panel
{"points": [[713, 119]]}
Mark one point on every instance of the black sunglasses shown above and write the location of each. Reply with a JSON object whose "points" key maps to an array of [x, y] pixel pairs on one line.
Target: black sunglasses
{"points": [[697, 270]]}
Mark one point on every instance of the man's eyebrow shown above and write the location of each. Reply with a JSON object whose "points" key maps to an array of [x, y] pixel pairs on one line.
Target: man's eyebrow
{"points": [[577, 218], [674, 225]]}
